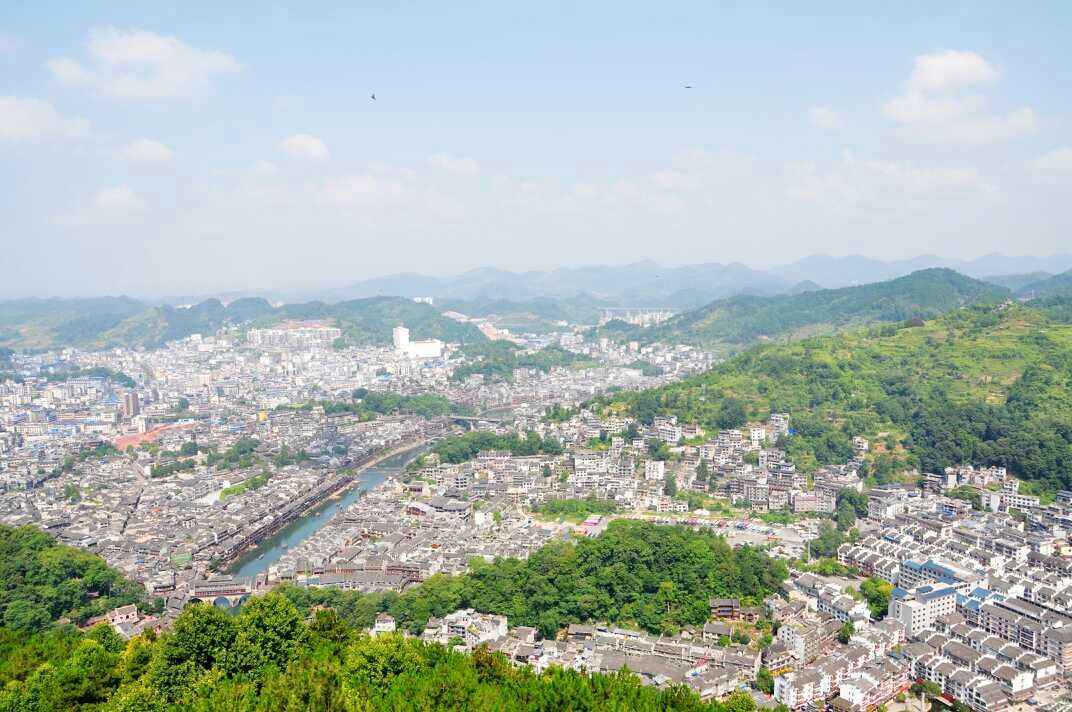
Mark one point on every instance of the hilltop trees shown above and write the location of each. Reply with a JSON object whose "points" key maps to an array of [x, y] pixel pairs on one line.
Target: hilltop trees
{"points": [[269, 658], [42, 581], [979, 385]]}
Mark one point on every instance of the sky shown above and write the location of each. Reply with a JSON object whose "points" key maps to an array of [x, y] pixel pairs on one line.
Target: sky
{"points": [[197, 147]]}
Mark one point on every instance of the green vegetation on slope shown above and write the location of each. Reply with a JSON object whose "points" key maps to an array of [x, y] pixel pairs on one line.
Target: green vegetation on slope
{"points": [[159, 325], [981, 385], [576, 509], [108, 322], [42, 323], [462, 448], [540, 311], [658, 578], [496, 360], [370, 321], [743, 319], [1016, 282], [1058, 285], [269, 658], [1058, 309], [427, 405], [42, 581], [368, 404]]}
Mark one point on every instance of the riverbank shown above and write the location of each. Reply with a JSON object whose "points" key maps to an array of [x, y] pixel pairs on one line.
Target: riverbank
{"points": [[255, 559]]}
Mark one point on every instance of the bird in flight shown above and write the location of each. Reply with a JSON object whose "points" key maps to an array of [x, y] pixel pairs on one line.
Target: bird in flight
{"points": [[372, 96], [688, 86]]}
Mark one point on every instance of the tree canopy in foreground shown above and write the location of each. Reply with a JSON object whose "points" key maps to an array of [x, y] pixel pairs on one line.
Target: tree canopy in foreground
{"points": [[270, 657]]}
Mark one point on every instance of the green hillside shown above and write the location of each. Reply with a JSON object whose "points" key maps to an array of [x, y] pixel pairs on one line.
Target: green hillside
{"points": [[42, 581], [301, 648], [1016, 282], [1058, 309], [370, 321], [496, 360], [741, 320], [43, 323], [977, 385], [1059, 285], [271, 657], [109, 322]]}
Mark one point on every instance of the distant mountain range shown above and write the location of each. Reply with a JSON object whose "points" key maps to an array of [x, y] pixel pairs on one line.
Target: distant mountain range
{"points": [[648, 284], [741, 320], [718, 304], [832, 272], [36, 324], [638, 284]]}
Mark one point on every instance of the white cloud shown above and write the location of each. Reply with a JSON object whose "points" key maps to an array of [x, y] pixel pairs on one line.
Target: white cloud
{"points": [[144, 150], [141, 65], [824, 117], [23, 119], [929, 180], [106, 207], [304, 146], [810, 184], [949, 69], [461, 166], [854, 180], [675, 181], [263, 169], [1054, 166], [117, 200], [444, 207], [941, 101], [365, 190]]}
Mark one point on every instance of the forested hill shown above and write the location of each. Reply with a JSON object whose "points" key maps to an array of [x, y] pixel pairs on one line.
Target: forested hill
{"points": [[741, 320], [301, 648], [979, 385], [1059, 285], [121, 321], [42, 581]]}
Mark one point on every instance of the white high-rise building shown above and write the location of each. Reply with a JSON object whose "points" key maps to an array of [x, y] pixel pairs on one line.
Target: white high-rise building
{"points": [[428, 348], [401, 337], [920, 607]]}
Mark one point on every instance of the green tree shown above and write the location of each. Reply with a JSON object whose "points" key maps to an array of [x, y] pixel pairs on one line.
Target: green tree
{"points": [[268, 633], [846, 632], [732, 413], [373, 663], [877, 593], [201, 637], [669, 485], [765, 681], [26, 616]]}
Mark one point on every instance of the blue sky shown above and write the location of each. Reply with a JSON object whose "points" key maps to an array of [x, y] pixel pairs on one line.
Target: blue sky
{"points": [[201, 148]]}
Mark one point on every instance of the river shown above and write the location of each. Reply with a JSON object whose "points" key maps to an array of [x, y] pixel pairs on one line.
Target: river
{"points": [[258, 559]]}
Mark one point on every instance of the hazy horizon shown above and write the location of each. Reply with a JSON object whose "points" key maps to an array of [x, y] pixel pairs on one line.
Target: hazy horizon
{"points": [[207, 149], [314, 289]]}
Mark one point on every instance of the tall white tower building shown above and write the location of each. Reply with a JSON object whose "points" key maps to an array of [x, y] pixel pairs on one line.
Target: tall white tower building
{"points": [[401, 338]]}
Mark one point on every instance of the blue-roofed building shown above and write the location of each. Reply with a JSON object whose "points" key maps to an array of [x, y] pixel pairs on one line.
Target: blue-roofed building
{"points": [[918, 608], [915, 573], [970, 604]]}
